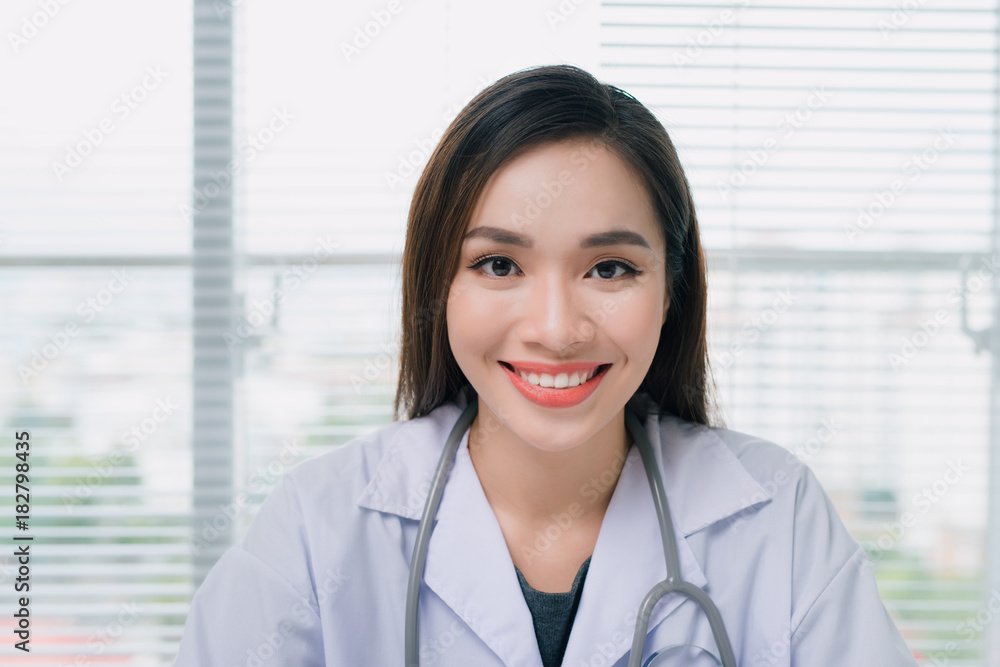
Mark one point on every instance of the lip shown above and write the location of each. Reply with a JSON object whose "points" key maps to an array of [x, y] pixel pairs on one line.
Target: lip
{"points": [[550, 397]]}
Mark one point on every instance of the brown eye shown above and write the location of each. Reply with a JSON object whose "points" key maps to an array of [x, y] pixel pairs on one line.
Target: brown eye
{"points": [[498, 265], [607, 269]]}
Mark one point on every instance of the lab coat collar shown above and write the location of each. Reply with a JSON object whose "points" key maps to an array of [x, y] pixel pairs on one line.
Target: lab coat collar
{"points": [[469, 565]]}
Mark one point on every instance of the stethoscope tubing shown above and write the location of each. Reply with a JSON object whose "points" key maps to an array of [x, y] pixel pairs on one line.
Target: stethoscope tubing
{"points": [[424, 533], [672, 584]]}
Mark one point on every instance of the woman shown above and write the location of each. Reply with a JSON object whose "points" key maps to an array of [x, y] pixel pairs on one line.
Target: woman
{"points": [[553, 279]]}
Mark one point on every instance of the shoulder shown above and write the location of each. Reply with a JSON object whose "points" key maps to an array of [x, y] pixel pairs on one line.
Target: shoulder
{"points": [[782, 472], [786, 479], [763, 459], [381, 470], [342, 473], [309, 499], [797, 516], [299, 549], [318, 510], [806, 558], [741, 469]]}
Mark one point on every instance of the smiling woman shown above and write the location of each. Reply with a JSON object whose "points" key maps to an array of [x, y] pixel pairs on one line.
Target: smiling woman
{"points": [[581, 289], [555, 382], [550, 145]]}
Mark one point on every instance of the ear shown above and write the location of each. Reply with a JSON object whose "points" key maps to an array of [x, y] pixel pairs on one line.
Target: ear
{"points": [[666, 309]]}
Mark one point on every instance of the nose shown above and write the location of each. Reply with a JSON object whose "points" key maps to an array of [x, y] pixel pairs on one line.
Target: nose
{"points": [[554, 315]]}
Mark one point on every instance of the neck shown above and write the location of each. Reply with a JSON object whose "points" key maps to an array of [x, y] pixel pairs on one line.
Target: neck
{"points": [[530, 485]]}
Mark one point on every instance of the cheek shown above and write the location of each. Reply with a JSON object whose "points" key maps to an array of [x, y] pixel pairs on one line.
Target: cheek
{"points": [[484, 309], [471, 319], [635, 325], [461, 308]]}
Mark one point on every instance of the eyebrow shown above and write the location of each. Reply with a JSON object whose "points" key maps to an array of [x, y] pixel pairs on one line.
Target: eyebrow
{"points": [[613, 237]]}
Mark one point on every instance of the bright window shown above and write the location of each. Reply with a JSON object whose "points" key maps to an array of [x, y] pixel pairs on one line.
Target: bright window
{"points": [[168, 171]]}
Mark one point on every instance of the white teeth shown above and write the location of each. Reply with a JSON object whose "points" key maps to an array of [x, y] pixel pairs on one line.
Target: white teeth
{"points": [[559, 381]]}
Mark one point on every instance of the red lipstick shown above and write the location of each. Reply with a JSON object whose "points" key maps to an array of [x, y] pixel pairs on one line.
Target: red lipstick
{"points": [[550, 397]]}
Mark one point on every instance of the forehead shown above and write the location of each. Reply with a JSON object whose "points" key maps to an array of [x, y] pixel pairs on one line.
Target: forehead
{"points": [[573, 188]]}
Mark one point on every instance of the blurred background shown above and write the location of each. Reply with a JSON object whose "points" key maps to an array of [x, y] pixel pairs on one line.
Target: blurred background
{"points": [[203, 206]]}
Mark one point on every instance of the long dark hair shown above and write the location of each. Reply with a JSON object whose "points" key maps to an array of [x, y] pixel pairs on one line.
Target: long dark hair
{"points": [[519, 112]]}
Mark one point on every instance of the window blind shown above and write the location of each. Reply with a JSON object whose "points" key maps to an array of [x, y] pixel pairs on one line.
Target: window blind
{"points": [[833, 321], [844, 161], [95, 284]]}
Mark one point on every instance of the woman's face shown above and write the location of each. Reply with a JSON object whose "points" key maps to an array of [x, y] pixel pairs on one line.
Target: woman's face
{"points": [[561, 271]]}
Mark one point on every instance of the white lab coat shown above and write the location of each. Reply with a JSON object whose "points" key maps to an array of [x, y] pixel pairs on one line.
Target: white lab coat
{"points": [[320, 577]]}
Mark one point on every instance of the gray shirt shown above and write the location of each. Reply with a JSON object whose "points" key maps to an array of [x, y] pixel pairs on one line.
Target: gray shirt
{"points": [[553, 615]]}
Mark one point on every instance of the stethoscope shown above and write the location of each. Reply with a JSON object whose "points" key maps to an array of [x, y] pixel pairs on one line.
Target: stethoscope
{"points": [[672, 584]]}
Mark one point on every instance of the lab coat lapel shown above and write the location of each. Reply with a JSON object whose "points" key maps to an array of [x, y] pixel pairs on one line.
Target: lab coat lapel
{"points": [[628, 557], [470, 568], [627, 562], [468, 564]]}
